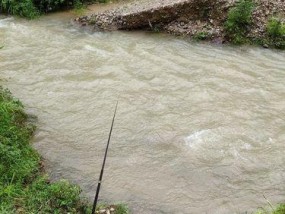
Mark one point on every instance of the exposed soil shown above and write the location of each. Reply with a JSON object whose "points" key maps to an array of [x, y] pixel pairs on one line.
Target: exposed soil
{"points": [[182, 17]]}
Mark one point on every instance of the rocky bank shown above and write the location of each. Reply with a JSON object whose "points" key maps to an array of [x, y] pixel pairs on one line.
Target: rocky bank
{"points": [[182, 17]]}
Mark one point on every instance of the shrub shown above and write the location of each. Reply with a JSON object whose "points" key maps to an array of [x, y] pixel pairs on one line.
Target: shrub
{"points": [[238, 21], [79, 8], [201, 36], [24, 8], [275, 28], [276, 33], [33, 8], [78, 5]]}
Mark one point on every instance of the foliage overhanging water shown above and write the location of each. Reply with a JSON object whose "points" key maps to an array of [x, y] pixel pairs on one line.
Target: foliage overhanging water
{"points": [[199, 129]]}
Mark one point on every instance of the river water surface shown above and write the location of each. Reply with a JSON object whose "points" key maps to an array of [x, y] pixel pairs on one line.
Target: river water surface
{"points": [[199, 128]]}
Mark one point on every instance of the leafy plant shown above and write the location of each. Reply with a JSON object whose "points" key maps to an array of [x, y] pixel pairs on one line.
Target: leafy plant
{"points": [[238, 21], [121, 209], [201, 36], [24, 8], [79, 7], [280, 209], [275, 28], [276, 33], [33, 8]]}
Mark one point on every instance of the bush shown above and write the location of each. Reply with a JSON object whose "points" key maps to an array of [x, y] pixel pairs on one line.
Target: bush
{"points": [[33, 8], [276, 33], [238, 21], [201, 36], [24, 8], [275, 28]]}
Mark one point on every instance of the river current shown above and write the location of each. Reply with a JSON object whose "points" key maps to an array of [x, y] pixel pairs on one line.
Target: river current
{"points": [[200, 128]]}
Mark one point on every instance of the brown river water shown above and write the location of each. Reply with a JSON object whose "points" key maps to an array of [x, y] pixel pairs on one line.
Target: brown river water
{"points": [[200, 128]]}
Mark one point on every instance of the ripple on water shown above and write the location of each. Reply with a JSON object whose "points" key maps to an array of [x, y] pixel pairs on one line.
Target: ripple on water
{"points": [[199, 129]]}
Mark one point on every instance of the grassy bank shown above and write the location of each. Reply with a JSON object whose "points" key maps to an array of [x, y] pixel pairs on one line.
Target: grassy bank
{"points": [[24, 188], [239, 22], [33, 8]]}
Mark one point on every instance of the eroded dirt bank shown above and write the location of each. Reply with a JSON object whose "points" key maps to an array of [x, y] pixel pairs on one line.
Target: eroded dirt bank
{"points": [[183, 17]]}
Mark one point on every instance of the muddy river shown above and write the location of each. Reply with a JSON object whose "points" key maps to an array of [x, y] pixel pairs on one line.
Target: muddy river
{"points": [[200, 128]]}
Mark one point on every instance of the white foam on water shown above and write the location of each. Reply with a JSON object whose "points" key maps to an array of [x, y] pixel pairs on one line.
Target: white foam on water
{"points": [[98, 51], [200, 137], [90, 48], [4, 22]]}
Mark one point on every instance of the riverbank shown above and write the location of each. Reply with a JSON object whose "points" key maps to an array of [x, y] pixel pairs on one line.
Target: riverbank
{"points": [[24, 186], [221, 21]]}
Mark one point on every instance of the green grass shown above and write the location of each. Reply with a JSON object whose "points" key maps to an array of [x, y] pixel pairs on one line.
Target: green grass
{"points": [[122, 209], [34, 8], [200, 36], [280, 209], [23, 186]]}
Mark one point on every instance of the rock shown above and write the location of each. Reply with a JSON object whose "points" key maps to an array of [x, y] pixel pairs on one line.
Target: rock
{"points": [[218, 40]]}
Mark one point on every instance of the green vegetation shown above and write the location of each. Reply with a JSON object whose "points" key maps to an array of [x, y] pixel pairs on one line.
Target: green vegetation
{"points": [[238, 24], [201, 36], [25, 8], [33, 8], [276, 33], [79, 7], [278, 210], [23, 186], [122, 209], [119, 208], [238, 21]]}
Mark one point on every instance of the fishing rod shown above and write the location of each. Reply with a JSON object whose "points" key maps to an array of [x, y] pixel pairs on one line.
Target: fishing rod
{"points": [[103, 165]]}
